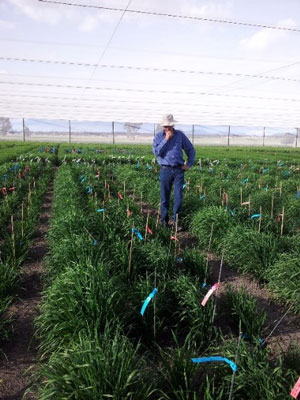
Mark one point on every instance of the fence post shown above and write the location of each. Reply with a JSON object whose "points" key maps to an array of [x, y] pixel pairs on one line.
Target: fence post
{"points": [[193, 133], [23, 130], [113, 131], [264, 135], [228, 135], [297, 134], [70, 132]]}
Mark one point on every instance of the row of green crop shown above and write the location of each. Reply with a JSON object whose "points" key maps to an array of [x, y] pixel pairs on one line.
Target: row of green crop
{"points": [[138, 152], [249, 245], [93, 341], [17, 228]]}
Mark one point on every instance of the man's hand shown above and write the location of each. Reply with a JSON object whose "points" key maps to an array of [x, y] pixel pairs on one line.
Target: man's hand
{"points": [[169, 131], [185, 167], [169, 135]]}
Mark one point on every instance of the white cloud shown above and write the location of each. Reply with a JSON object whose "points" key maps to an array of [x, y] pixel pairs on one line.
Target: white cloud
{"points": [[86, 19], [88, 24], [6, 24], [267, 37]]}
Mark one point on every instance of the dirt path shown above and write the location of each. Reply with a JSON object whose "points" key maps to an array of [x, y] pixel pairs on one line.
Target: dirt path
{"points": [[20, 352]]}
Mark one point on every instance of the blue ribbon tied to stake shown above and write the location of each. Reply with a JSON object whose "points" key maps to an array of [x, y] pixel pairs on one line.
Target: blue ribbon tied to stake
{"points": [[255, 216], [138, 233], [215, 358], [147, 301]]}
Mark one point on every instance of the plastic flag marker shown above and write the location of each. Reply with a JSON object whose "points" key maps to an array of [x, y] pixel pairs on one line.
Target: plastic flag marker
{"points": [[215, 358], [147, 301], [202, 197], [230, 211], [149, 230], [255, 216], [95, 242], [138, 233], [209, 293], [296, 389], [100, 210], [120, 196]]}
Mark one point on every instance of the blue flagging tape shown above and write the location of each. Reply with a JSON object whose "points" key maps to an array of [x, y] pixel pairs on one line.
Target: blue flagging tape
{"points": [[230, 211], [215, 358], [95, 242], [255, 216], [184, 185], [101, 210], [202, 197], [245, 180], [138, 233], [179, 259], [147, 301]]}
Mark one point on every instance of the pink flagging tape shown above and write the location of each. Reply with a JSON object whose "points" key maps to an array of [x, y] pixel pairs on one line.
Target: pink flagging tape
{"points": [[209, 293], [296, 389]]}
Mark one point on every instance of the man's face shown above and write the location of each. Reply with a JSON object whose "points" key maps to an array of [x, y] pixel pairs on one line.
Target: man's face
{"points": [[168, 129]]}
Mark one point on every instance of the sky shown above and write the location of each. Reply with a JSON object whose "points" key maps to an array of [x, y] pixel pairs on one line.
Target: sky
{"points": [[210, 62]]}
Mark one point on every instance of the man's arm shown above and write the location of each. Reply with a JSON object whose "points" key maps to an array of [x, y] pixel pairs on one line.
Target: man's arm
{"points": [[189, 150], [159, 143]]}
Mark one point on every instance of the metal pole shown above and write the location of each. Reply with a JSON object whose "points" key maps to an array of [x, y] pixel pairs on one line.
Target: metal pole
{"points": [[264, 134], [193, 133], [23, 130], [113, 131], [69, 131], [153, 130], [228, 135]]}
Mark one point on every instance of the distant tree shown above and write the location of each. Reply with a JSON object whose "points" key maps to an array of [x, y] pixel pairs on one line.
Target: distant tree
{"points": [[27, 131], [5, 126], [131, 129]]}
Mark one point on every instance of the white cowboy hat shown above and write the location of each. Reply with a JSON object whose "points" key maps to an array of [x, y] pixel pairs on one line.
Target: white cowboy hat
{"points": [[168, 120]]}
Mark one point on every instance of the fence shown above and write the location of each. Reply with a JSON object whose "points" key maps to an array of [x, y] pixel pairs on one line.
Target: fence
{"points": [[142, 133]]}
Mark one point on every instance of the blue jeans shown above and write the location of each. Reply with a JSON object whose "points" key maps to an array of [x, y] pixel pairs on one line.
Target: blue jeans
{"points": [[168, 177]]}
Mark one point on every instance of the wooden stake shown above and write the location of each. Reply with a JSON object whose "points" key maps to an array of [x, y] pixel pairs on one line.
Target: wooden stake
{"points": [[146, 230], [209, 244], [124, 189], [259, 223], [249, 211], [175, 235], [141, 202], [13, 237], [157, 216], [130, 253], [219, 280], [29, 194], [103, 214], [154, 307], [282, 220], [272, 206], [241, 196], [280, 190]]}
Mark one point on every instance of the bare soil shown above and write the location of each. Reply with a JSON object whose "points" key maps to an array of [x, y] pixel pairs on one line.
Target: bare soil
{"points": [[19, 356]]}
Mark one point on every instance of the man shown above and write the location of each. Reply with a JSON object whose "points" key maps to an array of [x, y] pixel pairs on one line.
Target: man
{"points": [[167, 147]]}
